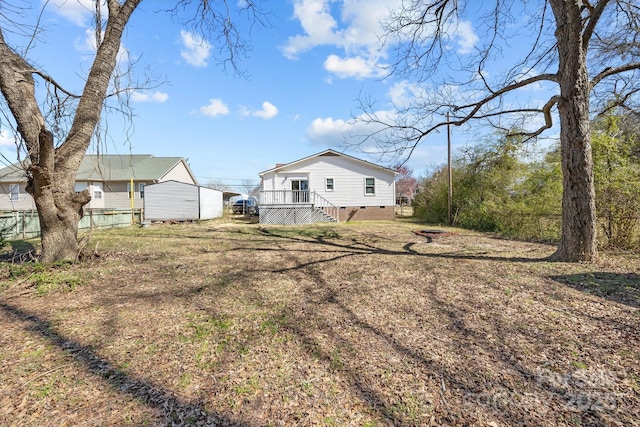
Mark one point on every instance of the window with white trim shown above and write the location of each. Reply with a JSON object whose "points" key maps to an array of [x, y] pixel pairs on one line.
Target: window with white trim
{"points": [[97, 190], [328, 184], [141, 189], [129, 191], [369, 186], [14, 192]]}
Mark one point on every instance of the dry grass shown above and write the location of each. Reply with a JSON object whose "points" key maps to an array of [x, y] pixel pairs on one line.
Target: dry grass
{"points": [[364, 324]]}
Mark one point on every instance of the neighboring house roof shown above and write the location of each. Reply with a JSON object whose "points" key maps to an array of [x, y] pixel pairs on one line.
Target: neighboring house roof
{"points": [[328, 152], [12, 173], [112, 167]]}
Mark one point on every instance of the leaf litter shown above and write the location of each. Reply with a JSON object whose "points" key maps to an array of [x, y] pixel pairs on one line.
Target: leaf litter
{"points": [[363, 324]]}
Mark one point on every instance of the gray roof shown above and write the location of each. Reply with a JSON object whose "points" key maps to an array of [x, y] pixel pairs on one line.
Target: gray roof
{"points": [[111, 167]]}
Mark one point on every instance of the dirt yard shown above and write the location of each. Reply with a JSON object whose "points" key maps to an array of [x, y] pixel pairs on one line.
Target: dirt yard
{"points": [[365, 324]]}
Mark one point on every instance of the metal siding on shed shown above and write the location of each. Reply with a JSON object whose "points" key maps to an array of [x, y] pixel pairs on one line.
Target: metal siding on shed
{"points": [[171, 200], [210, 203]]}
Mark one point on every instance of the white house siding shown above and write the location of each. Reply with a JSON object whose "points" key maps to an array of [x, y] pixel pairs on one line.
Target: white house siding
{"points": [[24, 202], [348, 180], [348, 193], [179, 173], [96, 203], [115, 196]]}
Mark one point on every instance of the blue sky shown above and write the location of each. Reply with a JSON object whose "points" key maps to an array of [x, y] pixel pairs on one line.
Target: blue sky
{"points": [[305, 74]]}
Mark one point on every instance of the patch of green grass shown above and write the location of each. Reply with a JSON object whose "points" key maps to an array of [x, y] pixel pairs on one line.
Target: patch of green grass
{"points": [[336, 361], [249, 387], [409, 408], [185, 379], [307, 387], [204, 327], [45, 389], [577, 362], [17, 271], [48, 282], [331, 421], [580, 365], [271, 326], [152, 348], [45, 278]]}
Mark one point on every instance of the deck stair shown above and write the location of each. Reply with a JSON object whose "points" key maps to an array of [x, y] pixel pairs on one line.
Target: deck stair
{"points": [[295, 207]]}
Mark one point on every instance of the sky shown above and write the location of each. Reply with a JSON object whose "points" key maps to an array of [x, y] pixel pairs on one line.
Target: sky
{"points": [[302, 81]]}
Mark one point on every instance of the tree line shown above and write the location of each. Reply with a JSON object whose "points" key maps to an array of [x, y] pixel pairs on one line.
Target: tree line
{"points": [[511, 187]]}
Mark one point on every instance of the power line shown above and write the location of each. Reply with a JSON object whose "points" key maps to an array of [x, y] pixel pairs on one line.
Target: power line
{"points": [[229, 179]]}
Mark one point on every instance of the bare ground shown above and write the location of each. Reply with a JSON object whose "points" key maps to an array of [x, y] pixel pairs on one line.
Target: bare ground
{"points": [[368, 324]]}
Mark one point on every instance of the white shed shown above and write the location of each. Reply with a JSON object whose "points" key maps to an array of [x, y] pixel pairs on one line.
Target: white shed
{"points": [[179, 201]]}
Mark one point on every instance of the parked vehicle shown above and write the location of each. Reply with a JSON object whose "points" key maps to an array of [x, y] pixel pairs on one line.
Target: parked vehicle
{"points": [[245, 207]]}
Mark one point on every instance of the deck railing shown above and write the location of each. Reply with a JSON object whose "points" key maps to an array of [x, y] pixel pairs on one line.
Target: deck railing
{"points": [[298, 197]]}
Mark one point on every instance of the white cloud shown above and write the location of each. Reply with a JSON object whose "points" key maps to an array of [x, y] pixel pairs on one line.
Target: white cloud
{"points": [[268, 111], [355, 29], [331, 132], [156, 96], [467, 38], [317, 23], [357, 67], [87, 44], [5, 139], [76, 11], [215, 108], [195, 50], [358, 27], [526, 73], [327, 129]]}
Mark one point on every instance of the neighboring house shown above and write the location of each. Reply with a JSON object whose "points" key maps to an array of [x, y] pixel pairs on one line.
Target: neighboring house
{"points": [[405, 194], [179, 201], [328, 186], [108, 178]]}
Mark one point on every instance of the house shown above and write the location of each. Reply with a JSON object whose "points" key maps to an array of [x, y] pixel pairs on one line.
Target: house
{"points": [[115, 181], [180, 201], [328, 186]]}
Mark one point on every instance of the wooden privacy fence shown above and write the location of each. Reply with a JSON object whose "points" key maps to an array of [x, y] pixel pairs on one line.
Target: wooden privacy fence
{"points": [[25, 224]]}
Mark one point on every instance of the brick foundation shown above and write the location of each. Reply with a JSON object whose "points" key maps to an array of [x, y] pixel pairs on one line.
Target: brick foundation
{"points": [[366, 213]]}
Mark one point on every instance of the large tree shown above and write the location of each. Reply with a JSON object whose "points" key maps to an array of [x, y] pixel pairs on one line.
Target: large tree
{"points": [[53, 157], [583, 52]]}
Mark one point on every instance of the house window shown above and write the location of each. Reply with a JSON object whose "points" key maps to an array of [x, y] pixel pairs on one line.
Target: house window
{"points": [[141, 189], [369, 186], [14, 192], [97, 190], [129, 195], [329, 184], [79, 187]]}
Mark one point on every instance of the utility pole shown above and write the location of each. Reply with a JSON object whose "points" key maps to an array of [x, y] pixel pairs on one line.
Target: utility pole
{"points": [[450, 201]]}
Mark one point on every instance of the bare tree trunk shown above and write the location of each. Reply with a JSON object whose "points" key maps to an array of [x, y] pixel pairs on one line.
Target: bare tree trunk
{"points": [[52, 170], [578, 241], [59, 207]]}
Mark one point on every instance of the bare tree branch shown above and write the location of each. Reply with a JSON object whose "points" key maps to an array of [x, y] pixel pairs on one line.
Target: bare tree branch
{"points": [[610, 71]]}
